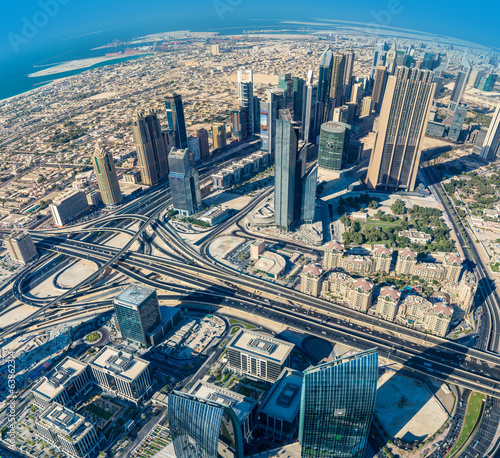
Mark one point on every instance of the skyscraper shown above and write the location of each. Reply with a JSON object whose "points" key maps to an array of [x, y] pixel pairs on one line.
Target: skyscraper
{"points": [[487, 82], [337, 82], [202, 135], [298, 98], [138, 313], [460, 83], [105, 171], [379, 56], [202, 428], [246, 98], [490, 149], [324, 82], [457, 122], [379, 86], [405, 110], [176, 121], [310, 130], [347, 83], [337, 405], [184, 182], [390, 60], [219, 136], [152, 150], [438, 79], [308, 198], [269, 112], [333, 149], [239, 124], [285, 173]]}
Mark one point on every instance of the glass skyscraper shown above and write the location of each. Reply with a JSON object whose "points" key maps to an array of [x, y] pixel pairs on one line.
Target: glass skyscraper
{"points": [[337, 405], [201, 428], [105, 172], [334, 145], [176, 120], [246, 98], [184, 182]]}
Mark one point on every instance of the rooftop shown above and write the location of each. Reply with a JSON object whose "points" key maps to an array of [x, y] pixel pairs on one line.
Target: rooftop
{"points": [[271, 263], [334, 245], [283, 400], [119, 363], [312, 269], [135, 294], [65, 421], [363, 283], [261, 345], [407, 253], [390, 291]]}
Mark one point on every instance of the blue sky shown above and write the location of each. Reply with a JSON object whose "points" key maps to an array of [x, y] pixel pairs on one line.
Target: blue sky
{"points": [[60, 24]]}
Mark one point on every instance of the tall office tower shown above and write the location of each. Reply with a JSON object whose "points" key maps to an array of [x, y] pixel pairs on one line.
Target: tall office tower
{"points": [[246, 98], [215, 49], [194, 147], [308, 198], [298, 98], [202, 428], [490, 149], [176, 120], [285, 82], [269, 112], [137, 313], [379, 56], [105, 171], [379, 87], [438, 79], [152, 147], [309, 129], [324, 82], [337, 405], [347, 79], [333, 152], [20, 247], [460, 83], [256, 116], [341, 114], [487, 82], [285, 171], [202, 135], [428, 61], [473, 78], [67, 206], [458, 121], [405, 110], [337, 83], [390, 60], [219, 136], [357, 93], [366, 107], [184, 182], [239, 124]]}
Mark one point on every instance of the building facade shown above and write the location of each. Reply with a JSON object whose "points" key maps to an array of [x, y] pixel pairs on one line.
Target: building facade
{"points": [[68, 206], [310, 280], [107, 179], [176, 120], [20, 247]]}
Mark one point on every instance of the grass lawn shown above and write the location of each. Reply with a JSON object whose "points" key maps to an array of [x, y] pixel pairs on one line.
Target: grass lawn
{"points": [[234, 330], [99, 412], [245, 391], [93, 337], [471, 418], [377, 223], [246, 325]]}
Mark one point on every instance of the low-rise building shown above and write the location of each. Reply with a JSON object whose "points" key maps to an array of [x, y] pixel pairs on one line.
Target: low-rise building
{"points": [[416, 236], [388, 303], [215, 215], [279, 412], [272, 264], [257, 247], [258, 355]]}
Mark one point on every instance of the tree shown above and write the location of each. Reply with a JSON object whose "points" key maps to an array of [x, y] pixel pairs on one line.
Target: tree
{"points": [[357, 238], [398, 207], [373, 204], [340, 210]]}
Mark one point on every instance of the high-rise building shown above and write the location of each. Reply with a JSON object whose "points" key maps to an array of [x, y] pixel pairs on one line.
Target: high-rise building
{"points": [[285, 171], [366, 106], [20, 247], [176, 120], [67, 206], [341, 114], [184, 182], [298, 98], [308, 199], [256, 115], [379, 86], [473, 78], [285, 82], [202, 428], [239, 124], [219, 140], [194, 147], [348, 68], [334, 145], [337, 405], [390, 60], [357, 93], [438, 80], [269, 113], [324, 82], [337, 82], [105, 171], [246, 98], [487, 82], [405, 110], [202, 135], [310, 280], [152, 147], [457, 122], [460, 83], [311, 115], [215, 50], [428, 62], [490, 149], [137, 313], [379, 57]]}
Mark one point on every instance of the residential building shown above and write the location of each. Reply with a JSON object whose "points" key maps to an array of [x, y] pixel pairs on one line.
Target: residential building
{"points": [[382, 257], [258, 355], [310, 280], [219, 140], [152, 147], [337, 405], [71, 433], [126, 376], [176, 120], [337, 81], [361, 295], [421, 238], [388, 303], [407, 259], [466, 291], [379, 57], [333, 153], [491, 144], [279, 411], [184, 182], [337, 287], [194, 147], [366, 106], [67, 206], [269, 114], [333, 254], [347, 79], [137, 313], [453, 265], [20, 247], [428, 271], [361, 265], [107, 179], [395, 159], [203, 428]]}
